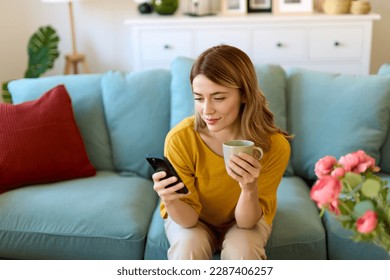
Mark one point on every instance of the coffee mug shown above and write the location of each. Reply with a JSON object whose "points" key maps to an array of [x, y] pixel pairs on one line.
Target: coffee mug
{"points": [[234, 147]]}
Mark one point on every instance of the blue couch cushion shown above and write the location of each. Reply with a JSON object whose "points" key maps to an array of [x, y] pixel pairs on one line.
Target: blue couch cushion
{"points": [[271, 78], [335, 114], [102, 217], [137, 108], [384, 70], [182, 101], [297, 232], [86, 95]]}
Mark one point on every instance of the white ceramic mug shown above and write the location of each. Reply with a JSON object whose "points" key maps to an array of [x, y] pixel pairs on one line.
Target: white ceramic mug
{"points": [[234, 147]]}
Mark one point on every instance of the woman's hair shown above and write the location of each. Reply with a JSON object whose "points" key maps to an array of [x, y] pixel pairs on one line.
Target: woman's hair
{"points": [[230, 67]]}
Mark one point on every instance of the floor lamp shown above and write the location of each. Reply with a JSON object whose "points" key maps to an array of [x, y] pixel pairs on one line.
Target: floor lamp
{"points": [[73, 59]]}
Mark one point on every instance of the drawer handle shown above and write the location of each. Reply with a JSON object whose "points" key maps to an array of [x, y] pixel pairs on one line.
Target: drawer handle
{"points": [[167, 47], [336, 44], [279, 44]]}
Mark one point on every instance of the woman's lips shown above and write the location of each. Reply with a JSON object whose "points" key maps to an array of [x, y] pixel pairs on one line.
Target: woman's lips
{"points": [[211, 121]]}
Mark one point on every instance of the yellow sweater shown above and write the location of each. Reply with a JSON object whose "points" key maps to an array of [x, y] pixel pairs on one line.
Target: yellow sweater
{"points": [[214, 194]]}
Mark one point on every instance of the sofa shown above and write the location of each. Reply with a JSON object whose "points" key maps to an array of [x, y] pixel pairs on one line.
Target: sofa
{"points": [[112, 212]]}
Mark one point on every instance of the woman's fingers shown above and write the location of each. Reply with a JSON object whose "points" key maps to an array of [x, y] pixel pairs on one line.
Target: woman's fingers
{"points": [[244, 168], [161, 186]]}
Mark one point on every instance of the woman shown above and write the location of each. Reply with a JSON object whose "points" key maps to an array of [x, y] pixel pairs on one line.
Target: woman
{"points": [[227, 210]]}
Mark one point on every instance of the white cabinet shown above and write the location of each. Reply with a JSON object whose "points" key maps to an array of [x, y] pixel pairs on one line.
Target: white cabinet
{"points": [[158, 46], [238, 37], [278, 45], [335, 43]]}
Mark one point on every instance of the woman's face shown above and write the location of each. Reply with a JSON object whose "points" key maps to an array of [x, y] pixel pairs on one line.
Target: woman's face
{"points": [[218, 106]]}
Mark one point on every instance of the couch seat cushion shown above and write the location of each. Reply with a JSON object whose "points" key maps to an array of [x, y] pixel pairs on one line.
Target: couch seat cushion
{"points": [[101, 217], [137, 112], [297, 230], [335, 114], [40, 142], [85, 92]]}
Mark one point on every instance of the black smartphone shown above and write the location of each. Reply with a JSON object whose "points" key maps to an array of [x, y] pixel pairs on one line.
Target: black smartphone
{"points": [[161, 163]]}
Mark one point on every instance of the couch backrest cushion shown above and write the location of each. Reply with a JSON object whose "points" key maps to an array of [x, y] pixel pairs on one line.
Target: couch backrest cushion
{"points": [[384, 70], [86, 95], [271, 78], [137, 109], [335, 114], [182, 101]]}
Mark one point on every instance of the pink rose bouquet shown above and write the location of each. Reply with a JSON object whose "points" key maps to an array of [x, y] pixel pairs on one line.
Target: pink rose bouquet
{"points": [[358, 198]]}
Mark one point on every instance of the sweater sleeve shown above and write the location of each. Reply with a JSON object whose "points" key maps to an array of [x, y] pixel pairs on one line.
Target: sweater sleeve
{"points": [[178, 150], [274, 165]]}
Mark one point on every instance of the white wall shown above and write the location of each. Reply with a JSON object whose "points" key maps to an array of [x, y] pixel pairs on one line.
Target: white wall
{"points": [[102, 36]]}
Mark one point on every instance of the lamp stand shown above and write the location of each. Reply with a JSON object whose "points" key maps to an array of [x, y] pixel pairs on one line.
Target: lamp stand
{"points": [[73, 60]]}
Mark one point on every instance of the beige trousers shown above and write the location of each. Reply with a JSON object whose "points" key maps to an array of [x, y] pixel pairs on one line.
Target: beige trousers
{"points": [[200, 242]]}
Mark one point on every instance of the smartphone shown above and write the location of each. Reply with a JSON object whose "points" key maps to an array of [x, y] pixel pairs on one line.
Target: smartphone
{"points": [[161, 163]]}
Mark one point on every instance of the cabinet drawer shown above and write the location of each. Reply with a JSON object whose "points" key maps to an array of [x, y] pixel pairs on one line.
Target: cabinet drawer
{"points": [[157, 45], [336, 42], [239, 38], [280, 44]]}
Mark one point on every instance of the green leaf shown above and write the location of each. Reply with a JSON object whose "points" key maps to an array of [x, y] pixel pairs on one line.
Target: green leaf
{"points": [[371, 188], [343, 218], [361, 208], [388, 197], [42, 51], [5, 94], [353, 179]]}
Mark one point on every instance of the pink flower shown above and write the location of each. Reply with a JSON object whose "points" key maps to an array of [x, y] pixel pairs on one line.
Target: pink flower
{"points": [[326, 191], [324, 166], [358, 162], [338, 172], [334, 207], [367, 222]]}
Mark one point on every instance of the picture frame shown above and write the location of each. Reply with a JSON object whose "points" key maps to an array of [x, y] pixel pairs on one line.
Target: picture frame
{"points": [[295, 7], [259, 6], [234, 7]]}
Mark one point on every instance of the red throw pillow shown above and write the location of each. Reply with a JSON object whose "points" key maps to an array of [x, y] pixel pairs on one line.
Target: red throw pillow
{"points": [[40, 142]]}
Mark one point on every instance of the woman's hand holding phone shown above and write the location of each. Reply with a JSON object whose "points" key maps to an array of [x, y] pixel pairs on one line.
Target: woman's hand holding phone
{"points": [[167, 194], [167, 182]]}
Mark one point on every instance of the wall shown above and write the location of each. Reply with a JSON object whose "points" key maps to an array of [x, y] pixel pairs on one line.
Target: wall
{"points": [[102, 36], [100, 33], [381, 39]]}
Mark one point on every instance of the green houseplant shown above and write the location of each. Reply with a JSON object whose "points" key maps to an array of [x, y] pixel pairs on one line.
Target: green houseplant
{"points": [[42, 52]]}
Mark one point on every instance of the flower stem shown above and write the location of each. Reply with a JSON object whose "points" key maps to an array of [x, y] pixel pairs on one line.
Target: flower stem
{"points": [[345, 206]]}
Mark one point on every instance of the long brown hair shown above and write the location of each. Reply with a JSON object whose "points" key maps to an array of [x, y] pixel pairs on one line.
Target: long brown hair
{"points": [[230, 67]]}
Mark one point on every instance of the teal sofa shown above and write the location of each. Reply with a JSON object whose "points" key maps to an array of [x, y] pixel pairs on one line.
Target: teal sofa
{"points": [[124, 116]]}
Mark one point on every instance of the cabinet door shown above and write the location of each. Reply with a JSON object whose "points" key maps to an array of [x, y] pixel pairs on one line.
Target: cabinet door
{"points": [[280, 44], [336, 42], [165, 45], [238, 37]]}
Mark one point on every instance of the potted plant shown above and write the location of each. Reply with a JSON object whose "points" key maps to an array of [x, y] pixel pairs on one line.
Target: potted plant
{"points": [[42, 52]]}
